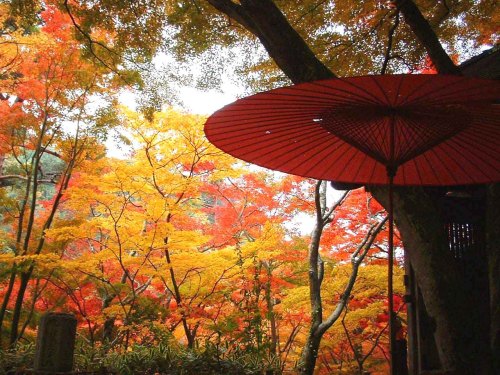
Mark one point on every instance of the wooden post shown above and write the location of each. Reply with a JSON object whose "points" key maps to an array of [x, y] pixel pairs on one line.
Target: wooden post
{"points": [[55, 343]]}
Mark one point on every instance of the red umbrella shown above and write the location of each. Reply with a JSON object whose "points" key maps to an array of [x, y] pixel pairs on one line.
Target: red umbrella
{"points": [[389, 129]]}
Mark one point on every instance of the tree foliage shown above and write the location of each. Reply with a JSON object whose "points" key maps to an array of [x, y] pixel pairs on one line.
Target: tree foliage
{"points": [[182, 243]]}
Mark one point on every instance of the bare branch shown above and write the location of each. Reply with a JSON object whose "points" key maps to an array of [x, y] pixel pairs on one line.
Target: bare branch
{"points": [[356, 262], [392, 30]]}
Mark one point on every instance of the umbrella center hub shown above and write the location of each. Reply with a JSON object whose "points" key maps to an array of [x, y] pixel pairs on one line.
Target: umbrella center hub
{"points": [[391, 134]]}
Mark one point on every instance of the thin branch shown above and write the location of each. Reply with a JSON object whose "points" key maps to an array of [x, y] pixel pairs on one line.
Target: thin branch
{"points": [[92, 42], [389, 42], [356, 262]]}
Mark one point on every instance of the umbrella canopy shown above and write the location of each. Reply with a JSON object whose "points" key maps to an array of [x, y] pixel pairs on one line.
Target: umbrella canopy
{"points": [[435, 130]]}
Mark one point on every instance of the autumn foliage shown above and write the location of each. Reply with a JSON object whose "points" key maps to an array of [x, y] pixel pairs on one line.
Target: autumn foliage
{"points": [[177, 243], [182, 242]]}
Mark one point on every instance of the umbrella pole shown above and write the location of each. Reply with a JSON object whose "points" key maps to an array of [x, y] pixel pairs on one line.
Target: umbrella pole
{"points": [[392, 334], [391, 172]]}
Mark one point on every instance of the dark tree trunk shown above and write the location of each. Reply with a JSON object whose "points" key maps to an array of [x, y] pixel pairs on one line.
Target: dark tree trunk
{"points": [[426, 36], [16, 316], [287, 48], [109, 323], [107, 330], [6, 299], [273, 346]]}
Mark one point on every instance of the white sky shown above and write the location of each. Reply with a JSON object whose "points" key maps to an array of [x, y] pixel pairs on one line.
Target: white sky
{"points": [[205, 103], [194, 100]]}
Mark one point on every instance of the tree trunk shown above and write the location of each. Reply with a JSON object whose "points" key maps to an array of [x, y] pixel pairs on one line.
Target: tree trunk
{"points": [[109, 323], [319, 324], [190, 334], [310, 352], [426, 36], [25, 276], [6, 299], [16, 316], [273, 345]]}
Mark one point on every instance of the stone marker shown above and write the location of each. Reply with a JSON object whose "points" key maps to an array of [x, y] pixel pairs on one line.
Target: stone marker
{"points": [[55, 343]]}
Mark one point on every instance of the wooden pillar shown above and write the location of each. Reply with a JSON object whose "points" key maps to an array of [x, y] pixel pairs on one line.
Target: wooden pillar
{"points": [[493, 254], [411, 314]]}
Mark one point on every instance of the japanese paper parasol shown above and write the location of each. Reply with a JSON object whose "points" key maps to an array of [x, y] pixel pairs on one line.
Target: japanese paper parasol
{"points": [[391, 129]]}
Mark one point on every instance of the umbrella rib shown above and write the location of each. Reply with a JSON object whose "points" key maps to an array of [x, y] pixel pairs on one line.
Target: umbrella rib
{"points": [[372, 174], [327, 99], [370, 98], [326, 146], [478, 143], [458, 145], [415, 90], [285, 100], [345, 165], [437, 98], [229, 114], [274, 128], [404, 139], [281, 140], [379, 131], [384, 93], [417, 170], [263, 123], [431, 167], [338, 94], [259, 123], [411, 141], [445, 166], [357, 173], [398, 91], [311, 139], [401, 174], [460, 166]]}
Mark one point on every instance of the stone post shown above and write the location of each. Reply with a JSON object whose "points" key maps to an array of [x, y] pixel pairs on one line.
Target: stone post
{"points": [[55, 343]]}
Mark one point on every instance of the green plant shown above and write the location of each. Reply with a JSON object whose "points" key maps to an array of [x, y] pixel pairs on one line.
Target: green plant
{"points": [[19, 358]]}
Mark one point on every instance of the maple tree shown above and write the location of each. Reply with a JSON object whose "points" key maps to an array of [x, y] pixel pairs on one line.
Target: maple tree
{"points": [[181, 242], [53, 87], [144, 223]]}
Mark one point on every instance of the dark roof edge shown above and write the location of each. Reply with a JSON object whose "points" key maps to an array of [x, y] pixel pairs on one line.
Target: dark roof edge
{"points": [[485, 65], [481, 56]]}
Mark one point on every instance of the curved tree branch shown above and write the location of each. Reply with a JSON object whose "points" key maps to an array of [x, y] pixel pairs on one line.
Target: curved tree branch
{"points": [[427, 37], [286, 47]]}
